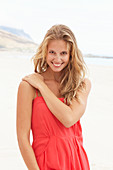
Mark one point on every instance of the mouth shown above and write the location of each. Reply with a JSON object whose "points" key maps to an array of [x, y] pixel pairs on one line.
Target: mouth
{"points": [[57, 65]]}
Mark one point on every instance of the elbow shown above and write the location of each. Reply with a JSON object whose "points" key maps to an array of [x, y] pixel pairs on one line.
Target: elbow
{"points": [[74, 119], [69, 124], [22, 139], [23, 143], [69, 121]]}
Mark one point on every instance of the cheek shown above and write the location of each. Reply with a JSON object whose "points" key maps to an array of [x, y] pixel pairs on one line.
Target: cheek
{"points": [[49, 58], [66, 59]]}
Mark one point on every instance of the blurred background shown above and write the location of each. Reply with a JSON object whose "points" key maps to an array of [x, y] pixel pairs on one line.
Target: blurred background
{"points": [[23, 25]]}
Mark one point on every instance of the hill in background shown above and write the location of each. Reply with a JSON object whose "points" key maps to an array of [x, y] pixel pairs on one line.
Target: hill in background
{"points": [[15, 31], [12, 39]]}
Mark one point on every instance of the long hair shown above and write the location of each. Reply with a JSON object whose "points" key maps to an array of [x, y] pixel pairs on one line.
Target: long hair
{"points": [[72, 76]]}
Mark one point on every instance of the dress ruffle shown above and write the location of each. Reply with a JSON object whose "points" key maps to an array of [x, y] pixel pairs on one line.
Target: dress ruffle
{"points": [[60, 153]]}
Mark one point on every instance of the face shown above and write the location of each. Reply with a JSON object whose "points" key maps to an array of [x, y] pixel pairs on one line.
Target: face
{"points": [[57, 55]]}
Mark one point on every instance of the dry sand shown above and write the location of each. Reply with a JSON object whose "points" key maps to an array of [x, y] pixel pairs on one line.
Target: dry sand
{"points": [[97, 122]]}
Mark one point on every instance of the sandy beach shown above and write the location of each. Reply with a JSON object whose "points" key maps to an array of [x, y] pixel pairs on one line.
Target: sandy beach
{"points": [[97, 122]]}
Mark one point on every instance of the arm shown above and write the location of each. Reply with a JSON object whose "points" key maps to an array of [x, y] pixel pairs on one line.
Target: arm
{"points": [[67, 115], [23, 124]]}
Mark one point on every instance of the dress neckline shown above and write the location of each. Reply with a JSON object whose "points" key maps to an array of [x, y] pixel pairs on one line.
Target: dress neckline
{"points": [[40, 98], [43, 98], [57, 97]]}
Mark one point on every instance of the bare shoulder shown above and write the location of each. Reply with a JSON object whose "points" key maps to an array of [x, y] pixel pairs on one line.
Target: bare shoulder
{"points": [[25, 89], [25, 85], [88, 85]]}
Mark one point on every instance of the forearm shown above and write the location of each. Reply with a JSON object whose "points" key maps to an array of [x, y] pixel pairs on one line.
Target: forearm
{"points": [[60, 110], [28, 155]]}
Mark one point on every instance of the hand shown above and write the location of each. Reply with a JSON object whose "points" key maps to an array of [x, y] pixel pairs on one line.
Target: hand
{"points": [[35, 79]]}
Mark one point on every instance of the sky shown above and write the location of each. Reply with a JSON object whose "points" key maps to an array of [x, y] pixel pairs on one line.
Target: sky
{"points": [[90, 20]]}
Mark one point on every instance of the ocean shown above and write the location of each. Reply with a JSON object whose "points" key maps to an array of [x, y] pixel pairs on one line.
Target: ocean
{"points": [[99, 61], [88, 60]]}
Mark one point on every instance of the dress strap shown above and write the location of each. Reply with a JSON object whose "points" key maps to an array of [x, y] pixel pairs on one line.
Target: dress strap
{"points": [[37, 92]]}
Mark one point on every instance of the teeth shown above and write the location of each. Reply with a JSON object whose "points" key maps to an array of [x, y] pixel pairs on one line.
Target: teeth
{"points": [[57, 64]]}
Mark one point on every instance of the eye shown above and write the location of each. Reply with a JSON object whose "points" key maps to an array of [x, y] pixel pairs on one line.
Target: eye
{"points": [[51, 52], [64, 52]]}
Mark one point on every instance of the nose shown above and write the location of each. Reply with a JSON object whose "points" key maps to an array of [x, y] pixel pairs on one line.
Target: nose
{"points": [[58, 58]]}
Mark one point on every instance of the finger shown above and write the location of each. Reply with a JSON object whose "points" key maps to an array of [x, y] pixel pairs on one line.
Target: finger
{"points": [[24, 78]]}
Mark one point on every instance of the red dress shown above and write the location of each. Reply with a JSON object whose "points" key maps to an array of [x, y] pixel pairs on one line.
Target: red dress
{"points": [[55, 146]]}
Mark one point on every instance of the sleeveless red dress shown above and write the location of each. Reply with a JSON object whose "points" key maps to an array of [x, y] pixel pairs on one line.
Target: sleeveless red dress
{"points": [[55, 146]]}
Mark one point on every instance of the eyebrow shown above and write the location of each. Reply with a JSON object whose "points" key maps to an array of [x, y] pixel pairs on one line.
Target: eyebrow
{"points": [[61, 51]]}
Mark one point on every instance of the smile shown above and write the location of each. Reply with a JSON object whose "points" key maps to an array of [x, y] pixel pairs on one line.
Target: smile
{"points": [[57, 65]]}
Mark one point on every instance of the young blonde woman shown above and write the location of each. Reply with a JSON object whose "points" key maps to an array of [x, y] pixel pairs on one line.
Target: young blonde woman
{"points": [[50, 102]]}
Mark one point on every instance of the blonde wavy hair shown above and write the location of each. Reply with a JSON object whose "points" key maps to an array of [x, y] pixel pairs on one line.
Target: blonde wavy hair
{"points": [[72, 76]]}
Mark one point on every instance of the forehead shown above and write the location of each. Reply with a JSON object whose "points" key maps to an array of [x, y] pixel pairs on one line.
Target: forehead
{"points": [[57, 45]]}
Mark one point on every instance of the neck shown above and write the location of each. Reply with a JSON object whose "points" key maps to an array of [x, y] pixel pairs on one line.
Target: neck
{"points": [[53, 75]]}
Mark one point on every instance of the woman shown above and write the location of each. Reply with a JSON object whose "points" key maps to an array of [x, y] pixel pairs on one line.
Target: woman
{"points": [[51, 102]]}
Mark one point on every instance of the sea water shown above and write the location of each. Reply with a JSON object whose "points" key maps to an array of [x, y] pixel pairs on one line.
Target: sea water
{"points": [[99, 61], [88, 60]]}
